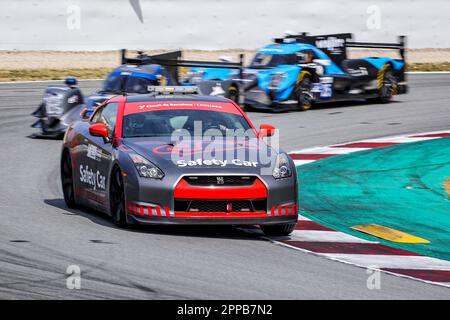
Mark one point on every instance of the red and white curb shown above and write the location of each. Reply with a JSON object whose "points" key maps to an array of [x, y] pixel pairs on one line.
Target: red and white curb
{"points": [[315, 238], [305, 156]]}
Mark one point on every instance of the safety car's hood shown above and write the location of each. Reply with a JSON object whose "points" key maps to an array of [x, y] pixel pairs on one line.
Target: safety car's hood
{"points": [[240, 157]]}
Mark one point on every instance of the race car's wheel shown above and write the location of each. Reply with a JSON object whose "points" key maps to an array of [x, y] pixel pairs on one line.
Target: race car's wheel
{"points": [[387, 85], [117, 199], [233, 94], [303, 91], [278, 229], [67, 181]]}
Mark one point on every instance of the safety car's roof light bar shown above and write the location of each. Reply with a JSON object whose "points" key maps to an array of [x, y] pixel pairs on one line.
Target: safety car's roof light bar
{"points": [[168, 90]]}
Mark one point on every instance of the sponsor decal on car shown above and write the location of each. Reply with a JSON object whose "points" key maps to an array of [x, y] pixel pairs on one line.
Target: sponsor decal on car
{"points": [[93, 153], [331, 43], [324, 87], [215, 162], [95, 180], [178, 104], [360, 72], [73, 99]]}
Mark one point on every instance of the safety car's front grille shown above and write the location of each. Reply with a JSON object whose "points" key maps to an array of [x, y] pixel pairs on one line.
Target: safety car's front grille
{"points": [[220, 205], [220, 180]]}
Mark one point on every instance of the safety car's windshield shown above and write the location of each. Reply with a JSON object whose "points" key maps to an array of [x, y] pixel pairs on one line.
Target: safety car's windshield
{"points": [[165, 122]]}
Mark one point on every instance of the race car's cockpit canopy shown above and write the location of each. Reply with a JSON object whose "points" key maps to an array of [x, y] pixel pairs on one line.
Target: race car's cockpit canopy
{"points": [[136, 79], [264, 60], [270, 59]]}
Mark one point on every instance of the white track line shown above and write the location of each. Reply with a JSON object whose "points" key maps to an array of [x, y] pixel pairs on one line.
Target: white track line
{"points": [[427, 72], [372, 267], [328, 150], [325, 236], [445, 284], [392, 261], [45, 81], [302, 162], [401, 139]]}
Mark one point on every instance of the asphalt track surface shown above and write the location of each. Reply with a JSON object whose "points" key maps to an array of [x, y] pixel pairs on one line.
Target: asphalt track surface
{"points": [[40, 237]]}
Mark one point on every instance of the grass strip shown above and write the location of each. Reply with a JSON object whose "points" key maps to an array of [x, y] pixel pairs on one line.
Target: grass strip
{"points": [[98, 73]]}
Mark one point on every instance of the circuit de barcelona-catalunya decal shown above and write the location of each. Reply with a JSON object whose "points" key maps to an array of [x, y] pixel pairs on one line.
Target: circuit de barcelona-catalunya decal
{"points": [[201, 147]]}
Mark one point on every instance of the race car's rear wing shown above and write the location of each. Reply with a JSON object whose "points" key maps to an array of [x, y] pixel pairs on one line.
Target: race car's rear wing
{"points": [[400, 45], [335, 45], [172, 61]]}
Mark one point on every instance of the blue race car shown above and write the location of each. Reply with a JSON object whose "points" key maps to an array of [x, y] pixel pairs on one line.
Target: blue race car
{"points": [[62, 105], [298, 71]]}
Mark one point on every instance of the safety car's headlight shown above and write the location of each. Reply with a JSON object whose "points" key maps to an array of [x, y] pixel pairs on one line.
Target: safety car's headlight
{"points": [[145, 168], [276, 79], [282, 167]]}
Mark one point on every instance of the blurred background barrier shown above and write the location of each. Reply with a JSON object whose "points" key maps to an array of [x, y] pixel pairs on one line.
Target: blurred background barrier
{"points": [[212, 24]]}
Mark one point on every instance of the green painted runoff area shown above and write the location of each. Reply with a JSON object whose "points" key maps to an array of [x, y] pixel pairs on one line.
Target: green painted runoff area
{"points": [[401, 187]]}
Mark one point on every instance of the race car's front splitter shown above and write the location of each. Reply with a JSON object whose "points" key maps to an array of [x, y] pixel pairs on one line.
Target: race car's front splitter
{"points": [[257, 98]]}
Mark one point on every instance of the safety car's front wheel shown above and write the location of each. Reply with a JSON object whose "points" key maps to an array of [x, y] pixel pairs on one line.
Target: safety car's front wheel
{"points": [[117, 199], [67, 180]]}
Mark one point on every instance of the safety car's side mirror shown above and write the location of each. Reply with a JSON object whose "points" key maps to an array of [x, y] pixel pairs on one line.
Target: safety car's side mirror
{"points": [[266, 130], [99, 130]]}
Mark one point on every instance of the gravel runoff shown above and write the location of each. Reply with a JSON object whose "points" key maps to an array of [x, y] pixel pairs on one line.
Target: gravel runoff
{"points": [[110, 59]]}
